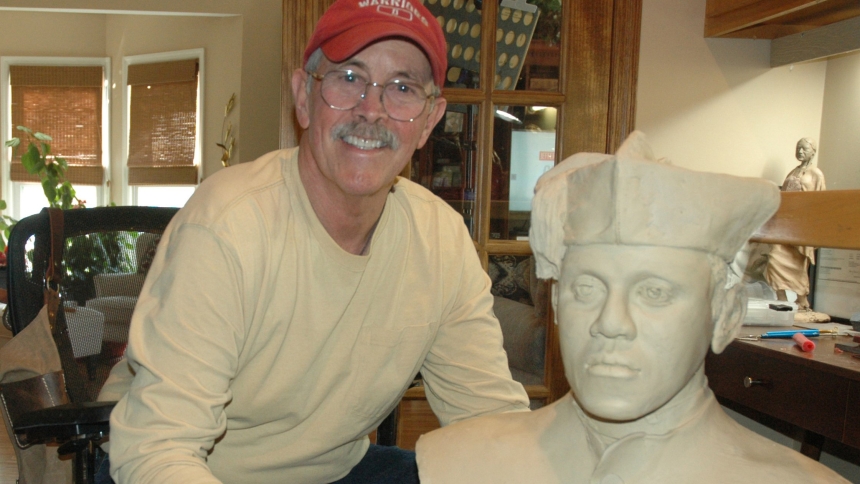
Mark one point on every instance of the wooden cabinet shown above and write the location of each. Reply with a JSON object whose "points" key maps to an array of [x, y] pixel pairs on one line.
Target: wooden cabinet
{"points": [[817, 392], [592, 87]]}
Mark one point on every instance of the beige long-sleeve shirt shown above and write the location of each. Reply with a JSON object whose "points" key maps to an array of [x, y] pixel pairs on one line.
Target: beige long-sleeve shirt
{"points": [[264, 353]]}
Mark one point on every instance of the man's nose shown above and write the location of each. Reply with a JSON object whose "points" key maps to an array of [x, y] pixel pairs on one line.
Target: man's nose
{"points": [[370, 107], [614, 320]]}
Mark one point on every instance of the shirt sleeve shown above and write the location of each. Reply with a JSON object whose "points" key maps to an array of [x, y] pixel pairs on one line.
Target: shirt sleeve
{"points": [[184, 341], [466, 371]]}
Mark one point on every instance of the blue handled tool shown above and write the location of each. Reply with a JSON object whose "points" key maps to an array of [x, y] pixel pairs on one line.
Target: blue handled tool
{"points": [[786, 334], [790, 333]]}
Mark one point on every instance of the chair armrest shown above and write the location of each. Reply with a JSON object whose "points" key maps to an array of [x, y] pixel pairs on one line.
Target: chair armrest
{"points": [[118, 284], [65, 421]]}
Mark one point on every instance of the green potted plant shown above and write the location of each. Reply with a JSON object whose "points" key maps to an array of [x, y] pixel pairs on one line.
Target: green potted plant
{"points": [[51, 170]]}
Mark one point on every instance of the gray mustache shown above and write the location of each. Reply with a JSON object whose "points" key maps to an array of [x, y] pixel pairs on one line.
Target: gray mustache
{"points": [[367, 131]]}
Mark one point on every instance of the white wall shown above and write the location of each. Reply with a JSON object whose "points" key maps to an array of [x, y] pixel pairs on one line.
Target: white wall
{"points": [[716, 104], [839, 147]]}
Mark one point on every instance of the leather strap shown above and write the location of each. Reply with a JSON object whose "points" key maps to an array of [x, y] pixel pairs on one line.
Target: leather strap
{"points": [[54, 274], [56, 316]]}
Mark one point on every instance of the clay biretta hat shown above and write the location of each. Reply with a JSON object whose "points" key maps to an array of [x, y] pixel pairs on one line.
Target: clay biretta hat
{"points": [[349, 26], [632, 199]]}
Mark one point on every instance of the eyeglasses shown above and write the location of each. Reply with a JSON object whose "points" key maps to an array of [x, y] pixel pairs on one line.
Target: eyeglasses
{"points": [[345, 89]]}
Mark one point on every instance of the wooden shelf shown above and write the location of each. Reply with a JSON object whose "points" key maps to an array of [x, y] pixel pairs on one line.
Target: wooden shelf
{"points": [[771, 19]]}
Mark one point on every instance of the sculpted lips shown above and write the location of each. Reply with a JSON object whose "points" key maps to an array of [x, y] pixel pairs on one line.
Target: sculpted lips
{"points": [[611, 366]]}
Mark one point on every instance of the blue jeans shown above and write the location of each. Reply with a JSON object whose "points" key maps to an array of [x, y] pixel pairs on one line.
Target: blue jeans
{"points": [[383, 465], [380, 465]]}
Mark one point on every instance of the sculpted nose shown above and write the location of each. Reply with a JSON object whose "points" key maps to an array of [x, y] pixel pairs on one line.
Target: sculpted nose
{"points": [[614, 320]]}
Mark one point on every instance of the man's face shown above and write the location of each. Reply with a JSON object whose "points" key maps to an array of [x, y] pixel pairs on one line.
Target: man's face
{"points": [[360, 151], [635, 324]]}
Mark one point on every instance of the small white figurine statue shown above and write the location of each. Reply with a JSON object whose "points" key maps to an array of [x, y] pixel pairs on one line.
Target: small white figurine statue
{"points": [[788, 266], [639, 250]]}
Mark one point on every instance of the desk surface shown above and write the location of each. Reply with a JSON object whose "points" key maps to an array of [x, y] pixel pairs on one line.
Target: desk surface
{"points": [[818, 391], [823, 358]]}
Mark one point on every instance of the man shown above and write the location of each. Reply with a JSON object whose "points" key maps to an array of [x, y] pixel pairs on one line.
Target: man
{"points": [[640, 251], [293, 299]]}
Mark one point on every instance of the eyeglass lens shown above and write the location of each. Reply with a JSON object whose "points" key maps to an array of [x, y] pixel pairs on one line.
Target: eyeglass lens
{"points": [[344, 90]]}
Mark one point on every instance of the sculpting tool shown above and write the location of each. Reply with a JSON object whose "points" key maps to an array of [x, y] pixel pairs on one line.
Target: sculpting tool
{"points": [[787, 334]]}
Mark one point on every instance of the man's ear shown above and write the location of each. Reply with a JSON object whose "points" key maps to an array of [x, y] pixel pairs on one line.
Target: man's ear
{"points": [[439, 105], [300, 96], [728, 314]]}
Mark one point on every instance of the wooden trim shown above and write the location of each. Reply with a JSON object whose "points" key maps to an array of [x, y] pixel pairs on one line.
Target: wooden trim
{"points": [[727, 16], [624, 73], [817, 219], [586, 58], [299, 19]]}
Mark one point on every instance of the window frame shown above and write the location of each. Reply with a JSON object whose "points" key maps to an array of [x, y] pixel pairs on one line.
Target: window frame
{"points": [[130, 192], [12, 190]]}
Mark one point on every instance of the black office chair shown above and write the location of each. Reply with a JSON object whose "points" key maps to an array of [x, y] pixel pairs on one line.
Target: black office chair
{"points": [[106, 254]]}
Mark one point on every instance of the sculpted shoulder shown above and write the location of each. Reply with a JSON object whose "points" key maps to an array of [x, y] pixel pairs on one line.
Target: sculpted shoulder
{"points": [[495, 449]]}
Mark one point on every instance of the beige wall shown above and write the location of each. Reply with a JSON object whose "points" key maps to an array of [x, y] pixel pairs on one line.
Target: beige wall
{"points": [[259, 94], [839, 150], [54, 34], [716, 104]]}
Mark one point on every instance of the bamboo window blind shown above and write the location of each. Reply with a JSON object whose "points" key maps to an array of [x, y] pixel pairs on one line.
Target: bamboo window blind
{"points": [[163, 123], [64, 102]]}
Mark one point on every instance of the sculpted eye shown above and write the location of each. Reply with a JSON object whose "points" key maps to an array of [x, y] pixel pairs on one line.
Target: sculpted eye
{"points": [[587, 288], [655, 292]]}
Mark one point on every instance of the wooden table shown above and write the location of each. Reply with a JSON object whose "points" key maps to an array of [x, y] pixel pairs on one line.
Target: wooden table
{"points": [[818, 392]]}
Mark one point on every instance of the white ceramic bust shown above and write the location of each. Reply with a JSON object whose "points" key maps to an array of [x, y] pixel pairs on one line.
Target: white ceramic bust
{"points": [[640, 251], [788, 266]]}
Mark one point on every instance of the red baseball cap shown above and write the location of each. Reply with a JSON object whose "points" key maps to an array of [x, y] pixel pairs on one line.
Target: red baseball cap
{"points": [[349, 26]]}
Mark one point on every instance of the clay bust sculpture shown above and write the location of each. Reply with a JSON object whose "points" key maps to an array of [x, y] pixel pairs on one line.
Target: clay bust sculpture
{"points": [[639, 250], [788, 266]]}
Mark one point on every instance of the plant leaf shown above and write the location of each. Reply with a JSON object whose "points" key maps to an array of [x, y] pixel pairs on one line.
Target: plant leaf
{"points": [[13, 142], [42, 137], [25, 129], [50, 189], [32, 160]]}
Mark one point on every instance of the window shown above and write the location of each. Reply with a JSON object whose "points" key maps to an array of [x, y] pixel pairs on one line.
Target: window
{"points": [[162, 127], [67, 99]]}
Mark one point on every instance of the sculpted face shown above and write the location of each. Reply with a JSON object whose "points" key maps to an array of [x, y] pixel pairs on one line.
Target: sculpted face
{"points": [[804, 151], [635, 324]]}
